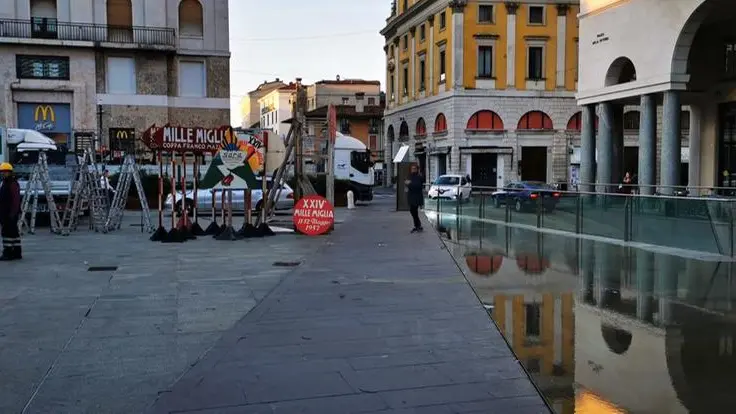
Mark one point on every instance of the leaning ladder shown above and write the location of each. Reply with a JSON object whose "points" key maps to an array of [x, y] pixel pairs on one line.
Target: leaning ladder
{"points": [[129, 171], [86, 187], [39, 178]]}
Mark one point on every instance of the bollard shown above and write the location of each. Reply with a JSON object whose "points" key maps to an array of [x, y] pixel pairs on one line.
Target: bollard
{"points": [[351, 199]]}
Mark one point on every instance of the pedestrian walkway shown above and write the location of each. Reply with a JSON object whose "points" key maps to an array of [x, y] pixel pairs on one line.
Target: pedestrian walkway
{"points": [[379, 321]]}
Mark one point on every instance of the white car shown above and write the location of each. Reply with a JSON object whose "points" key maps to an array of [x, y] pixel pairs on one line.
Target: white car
{"points": [[204, 199], [451, 187]]}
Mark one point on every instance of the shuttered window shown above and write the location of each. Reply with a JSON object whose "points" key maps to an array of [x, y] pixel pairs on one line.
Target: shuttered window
{"points": [[192, 79], [190, 18], [121, 75], [119, 13]]}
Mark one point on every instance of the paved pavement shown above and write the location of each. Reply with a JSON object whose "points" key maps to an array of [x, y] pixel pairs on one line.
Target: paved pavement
{"points": [[76, 340], [380, 321]]}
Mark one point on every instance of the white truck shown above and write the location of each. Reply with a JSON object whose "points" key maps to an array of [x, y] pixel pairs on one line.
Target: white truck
{"points": [[353, 163], [20, 147]]}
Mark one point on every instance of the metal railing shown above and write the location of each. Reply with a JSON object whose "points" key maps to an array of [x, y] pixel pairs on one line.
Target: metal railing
{"points": [[50, 28], [704, 224]]}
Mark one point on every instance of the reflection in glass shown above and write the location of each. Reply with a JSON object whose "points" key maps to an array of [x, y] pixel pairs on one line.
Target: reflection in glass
{"points": [[606, 327]]}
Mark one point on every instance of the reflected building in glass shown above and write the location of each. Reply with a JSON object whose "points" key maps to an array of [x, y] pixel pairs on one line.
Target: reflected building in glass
{"points": [[605, 327]]}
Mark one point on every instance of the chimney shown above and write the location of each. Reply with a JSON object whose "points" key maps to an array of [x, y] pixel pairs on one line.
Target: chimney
{"points": [[359, 105], [278, 80]]}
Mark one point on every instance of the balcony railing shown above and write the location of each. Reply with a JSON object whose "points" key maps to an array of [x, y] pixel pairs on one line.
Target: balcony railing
{"points": [[49, 28]]}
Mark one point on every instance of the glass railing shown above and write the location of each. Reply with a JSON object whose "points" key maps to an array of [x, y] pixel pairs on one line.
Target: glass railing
{"points": [[703, 224], [593, 320]]}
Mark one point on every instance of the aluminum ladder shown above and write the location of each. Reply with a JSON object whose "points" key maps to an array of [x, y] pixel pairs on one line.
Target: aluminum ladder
{"points": [[130, 171], [86, 189], [39, 178]]}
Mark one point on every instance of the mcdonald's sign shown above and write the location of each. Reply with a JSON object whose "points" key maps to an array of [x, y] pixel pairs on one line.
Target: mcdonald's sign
{"points": [[44, 118], [122, 141]]}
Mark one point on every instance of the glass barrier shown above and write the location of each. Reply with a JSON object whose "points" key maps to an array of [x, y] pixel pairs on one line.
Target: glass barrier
{"points": [[704, 224]]}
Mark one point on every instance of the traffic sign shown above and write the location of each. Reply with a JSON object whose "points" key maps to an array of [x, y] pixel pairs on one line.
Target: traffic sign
{"points": [[313, 215]]}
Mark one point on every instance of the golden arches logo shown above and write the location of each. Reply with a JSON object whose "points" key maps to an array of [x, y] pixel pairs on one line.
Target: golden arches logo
{"points": [[121, 134], [44, 113]]}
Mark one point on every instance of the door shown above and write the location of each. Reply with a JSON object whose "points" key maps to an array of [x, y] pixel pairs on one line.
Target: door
{"points": [[727, 145], [534, 164], [631, 161], [483, 170], [441, 164]]}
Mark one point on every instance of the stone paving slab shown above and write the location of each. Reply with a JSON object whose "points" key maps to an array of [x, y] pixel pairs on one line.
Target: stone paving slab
{"points": [[379, 320], [75, 341]]}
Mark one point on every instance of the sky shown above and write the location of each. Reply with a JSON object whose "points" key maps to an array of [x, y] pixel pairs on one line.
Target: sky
{"points": [[314, 40]]}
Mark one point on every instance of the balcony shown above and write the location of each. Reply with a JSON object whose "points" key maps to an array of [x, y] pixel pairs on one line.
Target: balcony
{"points": [[43, 28]]}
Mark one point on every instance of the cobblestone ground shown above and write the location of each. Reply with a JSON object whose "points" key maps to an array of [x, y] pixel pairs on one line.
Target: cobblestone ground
{"points": [[75, 339]]}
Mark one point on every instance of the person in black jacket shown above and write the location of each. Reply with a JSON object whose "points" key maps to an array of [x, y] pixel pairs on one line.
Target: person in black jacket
{"points": [[415, 196], [9, 214]]}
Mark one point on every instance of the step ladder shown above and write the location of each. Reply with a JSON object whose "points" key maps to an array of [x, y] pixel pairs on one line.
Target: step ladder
{"points": [[86, 191], [39, 180], [130, 171]]}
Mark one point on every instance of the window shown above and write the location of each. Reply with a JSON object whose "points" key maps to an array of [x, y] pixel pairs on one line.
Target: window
{"points": [[344, 126], [536, 14], [190, 18], [485, 61], [192, 79], [406, 5], [631, 120], [442, 65], [485, 13], [685, 120], [422, 33], [730, 60], [371, 101], [533, 320], [443, 20], [405, 81], [536, 63], [42, 67], [345, 101], [121, 75], [405, 42], [422, 73], [392, 85]]}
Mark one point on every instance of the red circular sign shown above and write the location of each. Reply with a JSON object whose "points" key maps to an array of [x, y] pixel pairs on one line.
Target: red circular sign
{"points": [[313, 215]]}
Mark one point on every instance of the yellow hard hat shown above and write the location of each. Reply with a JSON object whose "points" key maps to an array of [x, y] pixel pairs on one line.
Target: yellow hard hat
{"points": [[6, 167]]}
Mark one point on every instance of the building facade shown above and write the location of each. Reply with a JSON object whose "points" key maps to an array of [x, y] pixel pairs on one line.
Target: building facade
{"points": [[250, 110], [113, 67], [276, 107], [679, 71], [484, 88]]}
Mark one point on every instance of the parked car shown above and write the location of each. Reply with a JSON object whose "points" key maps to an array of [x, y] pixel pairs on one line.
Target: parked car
{"points": [[204, 199], [451, 187], [526, 195]]}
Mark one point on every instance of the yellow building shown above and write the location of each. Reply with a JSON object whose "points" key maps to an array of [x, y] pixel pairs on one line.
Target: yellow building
{"points": [[484, 88]]}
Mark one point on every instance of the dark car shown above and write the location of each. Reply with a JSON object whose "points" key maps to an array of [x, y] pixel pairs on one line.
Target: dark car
{"points": [[527, 196]]}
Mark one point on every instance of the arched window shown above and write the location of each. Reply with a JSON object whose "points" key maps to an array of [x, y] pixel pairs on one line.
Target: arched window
{"points": [[440, 123], [535, 121], [485, 121], [576, 122], [119, 21], [41, 9], [404, 131], [631, 120], [421, 127], [191, 22], [390, 133]]}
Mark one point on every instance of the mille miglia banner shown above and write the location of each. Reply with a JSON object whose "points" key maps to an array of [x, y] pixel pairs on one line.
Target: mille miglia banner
{"points": [[185, 139]]}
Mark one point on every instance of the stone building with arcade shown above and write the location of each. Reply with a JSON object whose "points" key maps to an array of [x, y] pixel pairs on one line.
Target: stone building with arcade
{"points": [[679, 70], [485, 88], [113, 67]]}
